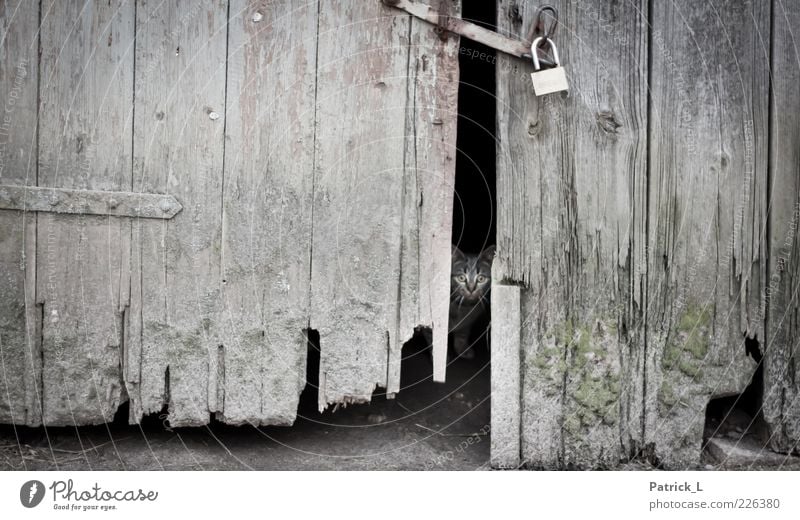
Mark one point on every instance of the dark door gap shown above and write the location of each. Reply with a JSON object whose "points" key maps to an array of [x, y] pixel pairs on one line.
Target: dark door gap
{"points": [[739, 418]]}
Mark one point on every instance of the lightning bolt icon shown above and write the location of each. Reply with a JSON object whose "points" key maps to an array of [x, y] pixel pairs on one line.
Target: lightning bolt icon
{"points": [[32, 492]]}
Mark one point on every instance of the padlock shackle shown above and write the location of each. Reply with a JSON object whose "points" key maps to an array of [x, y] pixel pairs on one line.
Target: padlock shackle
{"points": [[535, 53], [538, 24]]}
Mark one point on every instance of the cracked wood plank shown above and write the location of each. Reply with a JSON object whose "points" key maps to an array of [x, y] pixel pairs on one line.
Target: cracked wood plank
{"points": [[267, 209], [707, 214], [175, 316], [429, 174], [782, 292], [358, 188], [20, 348], [571, 230], [86, 69]]}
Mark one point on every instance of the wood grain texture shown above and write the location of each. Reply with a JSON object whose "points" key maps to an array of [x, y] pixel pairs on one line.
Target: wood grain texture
{"points": [[85, 143], [506, 374], [267, 209], [175, 314], [707, 213], [358, 188], [781, 294], [429, 181], [571, 195], [20, 347]]}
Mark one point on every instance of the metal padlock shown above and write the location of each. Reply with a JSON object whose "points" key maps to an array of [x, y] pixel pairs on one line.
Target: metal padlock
{"points": [[550, 80]]}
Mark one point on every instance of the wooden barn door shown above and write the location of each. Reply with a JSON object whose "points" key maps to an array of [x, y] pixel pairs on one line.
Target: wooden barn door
{"points": [[643, 220], [297, 160]]}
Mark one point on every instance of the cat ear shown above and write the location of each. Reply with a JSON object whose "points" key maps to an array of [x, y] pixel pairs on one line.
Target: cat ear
{"points": [[457, 254], [487, 255]]}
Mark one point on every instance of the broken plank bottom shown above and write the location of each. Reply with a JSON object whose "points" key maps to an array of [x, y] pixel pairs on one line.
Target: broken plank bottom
{"points": [[261, 377], [342, 381]]}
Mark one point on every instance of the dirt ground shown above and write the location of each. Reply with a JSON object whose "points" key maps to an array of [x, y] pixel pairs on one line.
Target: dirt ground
{"points": [[427, 426]]}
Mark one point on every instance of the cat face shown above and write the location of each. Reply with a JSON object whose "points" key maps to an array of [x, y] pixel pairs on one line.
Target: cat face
{"points": [[471, 276]]}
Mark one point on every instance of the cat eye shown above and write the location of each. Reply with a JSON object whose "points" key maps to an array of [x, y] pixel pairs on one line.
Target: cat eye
{"points": [[461, 278], [481, 278]]}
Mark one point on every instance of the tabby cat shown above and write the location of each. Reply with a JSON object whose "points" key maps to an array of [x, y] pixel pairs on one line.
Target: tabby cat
{"points": [[470, 283]]}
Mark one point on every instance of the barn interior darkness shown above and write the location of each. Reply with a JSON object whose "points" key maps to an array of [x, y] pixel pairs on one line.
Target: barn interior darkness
{"points": [[740, 417], [474, 202]]}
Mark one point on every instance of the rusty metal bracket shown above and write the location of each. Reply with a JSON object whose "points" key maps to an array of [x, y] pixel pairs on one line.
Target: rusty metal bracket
{"points": [[89, 202], [518, 48]]}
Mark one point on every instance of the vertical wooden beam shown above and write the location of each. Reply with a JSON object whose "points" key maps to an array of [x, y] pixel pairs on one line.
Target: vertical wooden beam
{"points": [[85, 143], [506, 374], [782, 292], [178, 148], [707, 214], [267, 208], [571, 198], [20, 347]]}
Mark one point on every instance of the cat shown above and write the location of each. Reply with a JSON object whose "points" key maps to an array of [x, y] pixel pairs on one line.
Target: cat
{"points": [[470, 285]]}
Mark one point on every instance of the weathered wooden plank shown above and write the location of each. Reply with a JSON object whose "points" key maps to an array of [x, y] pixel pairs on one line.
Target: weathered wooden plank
{"points": [[267, 209], [88, 202], [429, 180], [571, 228], [707, 217], [358, 184], [178, 148], [506, 372], [20, 348], [782, 291], [85, 143]]}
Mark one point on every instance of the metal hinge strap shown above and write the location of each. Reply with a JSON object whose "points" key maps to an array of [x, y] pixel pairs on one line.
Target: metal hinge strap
{"points": [[88, 202]]}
